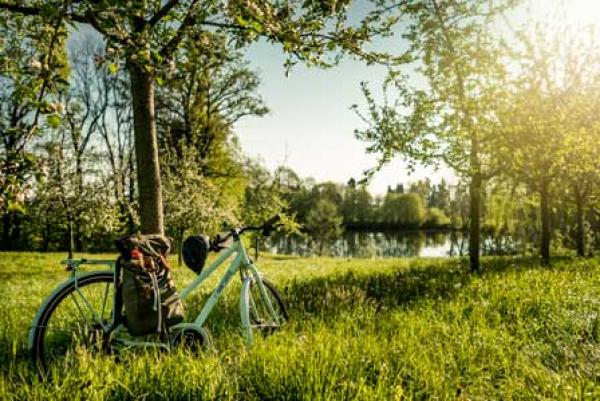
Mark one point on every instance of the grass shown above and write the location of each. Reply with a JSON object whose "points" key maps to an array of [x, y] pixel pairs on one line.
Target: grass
{"points": [[394, 329]]}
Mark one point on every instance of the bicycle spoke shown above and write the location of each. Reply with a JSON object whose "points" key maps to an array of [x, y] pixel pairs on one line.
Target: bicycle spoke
{"points": [[72, 296], [104, 301], [78, 319], [90, 308]]}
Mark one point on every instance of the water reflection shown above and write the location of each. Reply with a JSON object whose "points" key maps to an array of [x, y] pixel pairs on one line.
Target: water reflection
{"points": [[392, 244]]}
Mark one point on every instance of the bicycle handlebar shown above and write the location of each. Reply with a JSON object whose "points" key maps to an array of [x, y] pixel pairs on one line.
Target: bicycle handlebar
{"points": [[266, 229]]}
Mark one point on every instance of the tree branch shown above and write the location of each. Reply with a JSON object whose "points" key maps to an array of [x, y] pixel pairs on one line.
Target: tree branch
{"points": [[162, 12], [172, 44], [25, 10]]}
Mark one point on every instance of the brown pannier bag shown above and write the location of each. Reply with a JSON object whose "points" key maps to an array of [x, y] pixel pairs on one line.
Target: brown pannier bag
{"points": [[150, 298]]}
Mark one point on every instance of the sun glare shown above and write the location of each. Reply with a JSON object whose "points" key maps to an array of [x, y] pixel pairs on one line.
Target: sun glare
{"points": [[583, 12]]}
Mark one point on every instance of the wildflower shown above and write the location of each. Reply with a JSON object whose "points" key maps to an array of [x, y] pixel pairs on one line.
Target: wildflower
{"points": [[56, 107], [35, 64]]}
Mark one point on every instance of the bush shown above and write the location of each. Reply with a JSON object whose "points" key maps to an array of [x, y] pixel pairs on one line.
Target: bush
{"points": [[436, 218]]}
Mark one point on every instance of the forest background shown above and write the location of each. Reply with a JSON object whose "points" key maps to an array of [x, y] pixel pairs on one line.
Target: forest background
{"points": [[510, 109]]}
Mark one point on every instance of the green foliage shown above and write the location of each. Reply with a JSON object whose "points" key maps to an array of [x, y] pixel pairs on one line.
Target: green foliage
{"points": [[436, 218], [366, 330], [452, 49], [264, 196], [192, 201], [33, 69], [403, 209], [357, 206], [324, 223]]}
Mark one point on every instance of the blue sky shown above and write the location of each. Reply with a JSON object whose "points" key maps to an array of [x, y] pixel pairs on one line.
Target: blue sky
{"points": [[310, 127]]}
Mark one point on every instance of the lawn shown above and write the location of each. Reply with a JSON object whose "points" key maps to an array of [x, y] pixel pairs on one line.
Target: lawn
{"points": [[393, 329]]}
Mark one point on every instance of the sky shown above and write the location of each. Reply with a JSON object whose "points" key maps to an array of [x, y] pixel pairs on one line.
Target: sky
{"points": [[310, 127]]}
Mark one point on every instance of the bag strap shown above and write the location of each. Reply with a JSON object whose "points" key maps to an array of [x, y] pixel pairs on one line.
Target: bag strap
{"points": [[157, 301]]}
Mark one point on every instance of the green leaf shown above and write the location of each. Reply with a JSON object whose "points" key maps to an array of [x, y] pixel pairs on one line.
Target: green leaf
{"points": [[113, 68], [54, 120]]}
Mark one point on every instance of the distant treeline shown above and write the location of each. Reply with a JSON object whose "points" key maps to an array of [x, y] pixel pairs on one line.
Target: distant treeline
{"points": [[421, 205]]}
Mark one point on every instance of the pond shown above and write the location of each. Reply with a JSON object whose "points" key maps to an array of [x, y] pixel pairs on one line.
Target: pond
{"points": [[390, 244]]}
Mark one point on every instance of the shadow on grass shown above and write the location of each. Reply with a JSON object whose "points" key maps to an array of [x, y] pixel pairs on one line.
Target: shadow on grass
{"points": [[427, 279], [327, 296]]}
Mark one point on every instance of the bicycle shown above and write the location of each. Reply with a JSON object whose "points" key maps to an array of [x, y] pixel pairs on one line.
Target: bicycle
{"points": [[93, 317]]}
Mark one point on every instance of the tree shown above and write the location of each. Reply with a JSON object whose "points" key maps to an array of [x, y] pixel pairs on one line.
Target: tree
{"points": [[451, 119], [547, 121], [85, 105], [581, 172], [66, 201], [404, 210], [192, 202], [356, 208], [33, 68], [116, 130], [147, 34], [211, 89], [324, 223]]}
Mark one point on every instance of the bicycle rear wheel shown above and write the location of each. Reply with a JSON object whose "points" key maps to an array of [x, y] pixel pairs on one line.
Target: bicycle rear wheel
{"points": [[257, 316], [77, 315]]}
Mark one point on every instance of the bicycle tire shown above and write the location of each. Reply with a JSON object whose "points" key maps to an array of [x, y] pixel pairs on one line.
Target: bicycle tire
{"points": [[250, 318], [46, 311]]}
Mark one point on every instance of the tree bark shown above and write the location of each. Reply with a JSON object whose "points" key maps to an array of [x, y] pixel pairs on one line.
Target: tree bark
{"points": [[6, 223], [580, 230], [475, 206], [545, 216], [146, 150], [69, 236], [78, 220], [132, 174]]}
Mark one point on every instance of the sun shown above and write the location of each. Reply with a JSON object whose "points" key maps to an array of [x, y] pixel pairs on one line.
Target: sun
{"points": [[582, 12]]}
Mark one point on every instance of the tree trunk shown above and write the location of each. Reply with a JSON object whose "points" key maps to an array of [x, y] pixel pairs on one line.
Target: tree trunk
{"points": [[131, 222], [580, 215], [146, 150], [46, 237], [474, 207], [6, 223], [70, 236], [180, 234], [77, 218], [545, 216]]}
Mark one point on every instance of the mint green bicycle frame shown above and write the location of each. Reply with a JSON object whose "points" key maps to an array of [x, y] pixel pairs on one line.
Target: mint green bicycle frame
{"points": [[241, 263], [248, 271]]}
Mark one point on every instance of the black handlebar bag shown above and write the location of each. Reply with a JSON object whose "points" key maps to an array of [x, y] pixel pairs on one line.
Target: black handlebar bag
{"points": [[194, 252], [150, 298]]}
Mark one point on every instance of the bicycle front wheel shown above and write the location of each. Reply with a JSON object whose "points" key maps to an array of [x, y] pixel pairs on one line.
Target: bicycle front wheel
{"points": [[77, 315], [263, 309]]}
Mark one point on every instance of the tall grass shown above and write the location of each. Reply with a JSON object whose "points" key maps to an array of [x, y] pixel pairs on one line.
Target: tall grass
{"points": [[404, 329]]}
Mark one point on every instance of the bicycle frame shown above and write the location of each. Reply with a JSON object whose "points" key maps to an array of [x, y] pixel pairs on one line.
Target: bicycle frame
{"points": [[241, 263]]}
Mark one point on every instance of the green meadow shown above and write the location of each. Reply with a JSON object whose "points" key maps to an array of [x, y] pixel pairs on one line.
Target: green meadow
{"points": [[379, 329]]}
